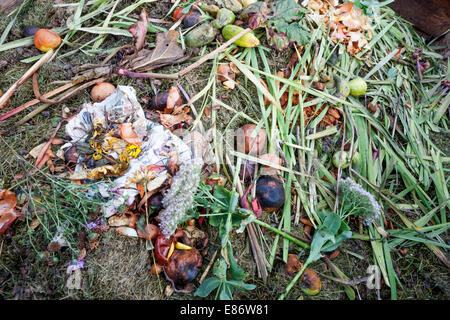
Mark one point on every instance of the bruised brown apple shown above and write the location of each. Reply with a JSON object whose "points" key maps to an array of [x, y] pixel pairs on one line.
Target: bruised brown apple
{"points": [[293, 265], [310, 282], [183, 267], [270, 193], [192, 18]]}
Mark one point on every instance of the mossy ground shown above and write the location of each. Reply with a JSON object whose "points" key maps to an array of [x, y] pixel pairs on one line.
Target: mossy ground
{"points": [[120, 267]]}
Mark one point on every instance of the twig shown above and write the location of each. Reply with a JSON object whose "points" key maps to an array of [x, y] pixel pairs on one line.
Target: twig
{"points": [[205, 273], [296, 236], [258, 254], [37, 92], [4, 98], [151, 75], [340, 165], [353, 282], [47, 145], [35, 101], [62, 97]]}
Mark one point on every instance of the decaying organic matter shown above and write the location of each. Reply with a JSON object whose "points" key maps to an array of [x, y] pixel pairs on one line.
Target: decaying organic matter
{"points": [[174, 132]]}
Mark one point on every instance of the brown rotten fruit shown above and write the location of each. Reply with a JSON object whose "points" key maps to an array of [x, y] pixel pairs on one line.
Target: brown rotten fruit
{"points": [[183, 267], [156, 269], [192, 18], [249, 142], [45, 40], [270, 193], [310, 282], [293, 265]]}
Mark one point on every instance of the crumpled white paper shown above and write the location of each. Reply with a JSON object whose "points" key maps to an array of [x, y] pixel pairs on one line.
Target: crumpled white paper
{"points": [[122, 106]]}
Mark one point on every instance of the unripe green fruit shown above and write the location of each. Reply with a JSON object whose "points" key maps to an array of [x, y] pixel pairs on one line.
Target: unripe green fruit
{"points": [[345, 161], [201, 35], [356, 158], [358, 87], [223, 18], [248, 40]]}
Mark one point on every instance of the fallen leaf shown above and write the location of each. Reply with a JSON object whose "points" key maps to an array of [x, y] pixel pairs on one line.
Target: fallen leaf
{"points": [[8, 212], [167, 51], [36, 150], [208, 112], [139, 30], [169, 120], [34, 223]]}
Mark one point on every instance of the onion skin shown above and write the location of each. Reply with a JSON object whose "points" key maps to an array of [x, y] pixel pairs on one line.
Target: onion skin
{"points": [[248, 144], [46, 40], [225, 73], [101, 91], [272, 158]]}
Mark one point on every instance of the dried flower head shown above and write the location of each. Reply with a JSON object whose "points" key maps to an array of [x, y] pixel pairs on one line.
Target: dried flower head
{"points": [[356, 201], [180, 197]]}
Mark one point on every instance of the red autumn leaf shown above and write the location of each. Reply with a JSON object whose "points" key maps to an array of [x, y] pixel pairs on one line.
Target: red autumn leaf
{"points": [[162, 247], [8, 212], [139, 30]]}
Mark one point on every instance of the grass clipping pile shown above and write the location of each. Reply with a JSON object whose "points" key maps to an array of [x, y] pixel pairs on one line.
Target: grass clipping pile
{"points": [[334, 147]]}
